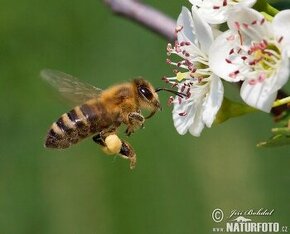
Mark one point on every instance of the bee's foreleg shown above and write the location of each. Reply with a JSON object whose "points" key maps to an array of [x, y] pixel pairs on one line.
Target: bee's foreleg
{"points": [[135, 121], [128, 152]]}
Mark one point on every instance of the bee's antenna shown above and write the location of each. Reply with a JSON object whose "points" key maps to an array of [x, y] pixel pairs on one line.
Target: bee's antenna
{"points": [[171, 91]]}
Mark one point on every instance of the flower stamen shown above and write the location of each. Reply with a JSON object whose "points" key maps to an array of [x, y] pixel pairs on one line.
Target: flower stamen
{"points": [[260, 59]]}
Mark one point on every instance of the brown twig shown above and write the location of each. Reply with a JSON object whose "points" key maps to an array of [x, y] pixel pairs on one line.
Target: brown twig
{"points": [[145, 15]]}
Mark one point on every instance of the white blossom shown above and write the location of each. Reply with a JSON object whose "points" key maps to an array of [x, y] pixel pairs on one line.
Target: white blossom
{"points": [[217, 11], [194, 78], [256, 52]]}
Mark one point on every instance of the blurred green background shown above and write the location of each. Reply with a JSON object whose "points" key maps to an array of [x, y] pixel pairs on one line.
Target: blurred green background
{"points": [[178, 181]]}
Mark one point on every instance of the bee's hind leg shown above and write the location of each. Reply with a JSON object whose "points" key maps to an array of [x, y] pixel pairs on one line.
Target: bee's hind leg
{"points": [[99, 140], [128, 152], [112, 144], [102, 135]]}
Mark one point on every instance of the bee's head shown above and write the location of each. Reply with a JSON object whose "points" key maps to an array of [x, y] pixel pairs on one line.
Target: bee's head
{"points": [[148, 97]]}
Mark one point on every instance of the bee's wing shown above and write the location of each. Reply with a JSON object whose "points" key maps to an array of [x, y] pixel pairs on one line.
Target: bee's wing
{"points": [[70, 87]]}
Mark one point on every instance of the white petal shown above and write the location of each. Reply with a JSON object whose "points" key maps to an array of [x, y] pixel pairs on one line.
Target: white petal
{"points": [[219, 52], [214, 16], [281, 77], [248, 3], [281, 26], [203, 31], [182, 123], [193, 107], [185, 21], [197, 125], [246, 16], [196, 2], [283, 73], [243, 14], [213, 101], [214, 12], [263, 94], [208, 11], [255, 96]]}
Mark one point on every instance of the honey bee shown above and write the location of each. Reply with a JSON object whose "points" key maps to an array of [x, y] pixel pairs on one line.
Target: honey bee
{"points": [[99, 113]]}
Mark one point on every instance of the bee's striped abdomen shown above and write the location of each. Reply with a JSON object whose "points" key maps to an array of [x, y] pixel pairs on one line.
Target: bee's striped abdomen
{"points": [[72, 127]]}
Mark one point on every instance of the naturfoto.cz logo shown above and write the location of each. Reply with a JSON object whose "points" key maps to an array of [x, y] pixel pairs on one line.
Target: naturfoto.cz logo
{"points": [[244, 221]]}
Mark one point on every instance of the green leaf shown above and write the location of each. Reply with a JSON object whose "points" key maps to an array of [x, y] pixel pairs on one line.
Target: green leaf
{"points": [[264, 6], [276, 140], [281, 136], [283, 119], [231, 109]]}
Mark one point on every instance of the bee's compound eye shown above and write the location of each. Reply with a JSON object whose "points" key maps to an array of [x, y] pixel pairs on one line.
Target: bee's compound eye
{"points": [[145, 92]]}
